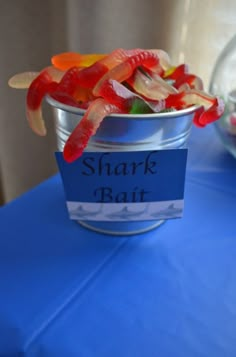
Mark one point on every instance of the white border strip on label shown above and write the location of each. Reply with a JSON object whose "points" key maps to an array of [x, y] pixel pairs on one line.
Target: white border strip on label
{"points": [[144, 211]]}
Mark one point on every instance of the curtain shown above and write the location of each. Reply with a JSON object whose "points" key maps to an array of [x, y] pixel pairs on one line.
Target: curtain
{"points": [[192, 31]]}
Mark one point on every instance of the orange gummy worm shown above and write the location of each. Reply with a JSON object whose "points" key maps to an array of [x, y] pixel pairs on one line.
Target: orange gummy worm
{"points": [[66, 60]]}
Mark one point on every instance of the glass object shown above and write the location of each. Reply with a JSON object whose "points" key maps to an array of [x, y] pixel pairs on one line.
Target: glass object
{"points": [[223, 83], [118, 132]]}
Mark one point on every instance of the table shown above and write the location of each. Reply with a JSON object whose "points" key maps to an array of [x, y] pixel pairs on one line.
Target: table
{"points": [[66, 291]]}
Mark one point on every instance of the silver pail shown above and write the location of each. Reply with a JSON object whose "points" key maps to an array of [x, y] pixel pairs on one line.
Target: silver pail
{"points": [[126, 132]]}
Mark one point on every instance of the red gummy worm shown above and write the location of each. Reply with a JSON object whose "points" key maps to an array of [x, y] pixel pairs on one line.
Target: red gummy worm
{"points": [[210, 115], [39, 87], [117, 94], [125, 69], [89, 76], [87, 127], [175, 101], [192, 80], [86, 77], [145, 58], [178, 72], [65, 98]]}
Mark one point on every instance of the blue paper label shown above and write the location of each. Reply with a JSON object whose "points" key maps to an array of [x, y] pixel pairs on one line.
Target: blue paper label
{"points": [[132, 185]]}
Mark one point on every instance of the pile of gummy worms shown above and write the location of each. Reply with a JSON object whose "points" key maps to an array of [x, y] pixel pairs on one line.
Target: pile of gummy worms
{"points": [[132, 81]]}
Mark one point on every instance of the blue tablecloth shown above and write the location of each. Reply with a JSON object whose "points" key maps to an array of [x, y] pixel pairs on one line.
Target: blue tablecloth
{"points": [[68, 292]]}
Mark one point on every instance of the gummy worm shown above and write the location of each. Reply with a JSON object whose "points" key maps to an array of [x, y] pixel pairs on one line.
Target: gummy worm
{"points": [[43, 84], [129, 102], [66, 60], [155, 88], [124, 70], [24, 79], [213, 106], [78, 140]]}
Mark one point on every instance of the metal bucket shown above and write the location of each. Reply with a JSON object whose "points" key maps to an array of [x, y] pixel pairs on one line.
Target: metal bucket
{"points": [[126, 132]]}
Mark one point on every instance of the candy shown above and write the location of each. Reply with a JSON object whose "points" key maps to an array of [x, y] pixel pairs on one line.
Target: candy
{"points": [[41, 85], [192, 82], [176, 72], [214, 107], [24, 79], [88, 77], [164, 59], [66, 60], [124, 70], [132, 81], [127, 101], [87, 127], [155, 87], [118, 56], [66, 99]]}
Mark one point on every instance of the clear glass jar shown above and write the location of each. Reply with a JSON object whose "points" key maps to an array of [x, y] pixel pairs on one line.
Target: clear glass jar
{"points": [[223, 84]]}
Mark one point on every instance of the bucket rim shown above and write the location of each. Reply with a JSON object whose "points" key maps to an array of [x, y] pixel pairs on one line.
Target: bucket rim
{"points": [[173, 114]]}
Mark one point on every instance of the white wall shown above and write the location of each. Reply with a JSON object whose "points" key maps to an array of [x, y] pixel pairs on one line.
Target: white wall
{"points": [[199, 31], [28, 37]]}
